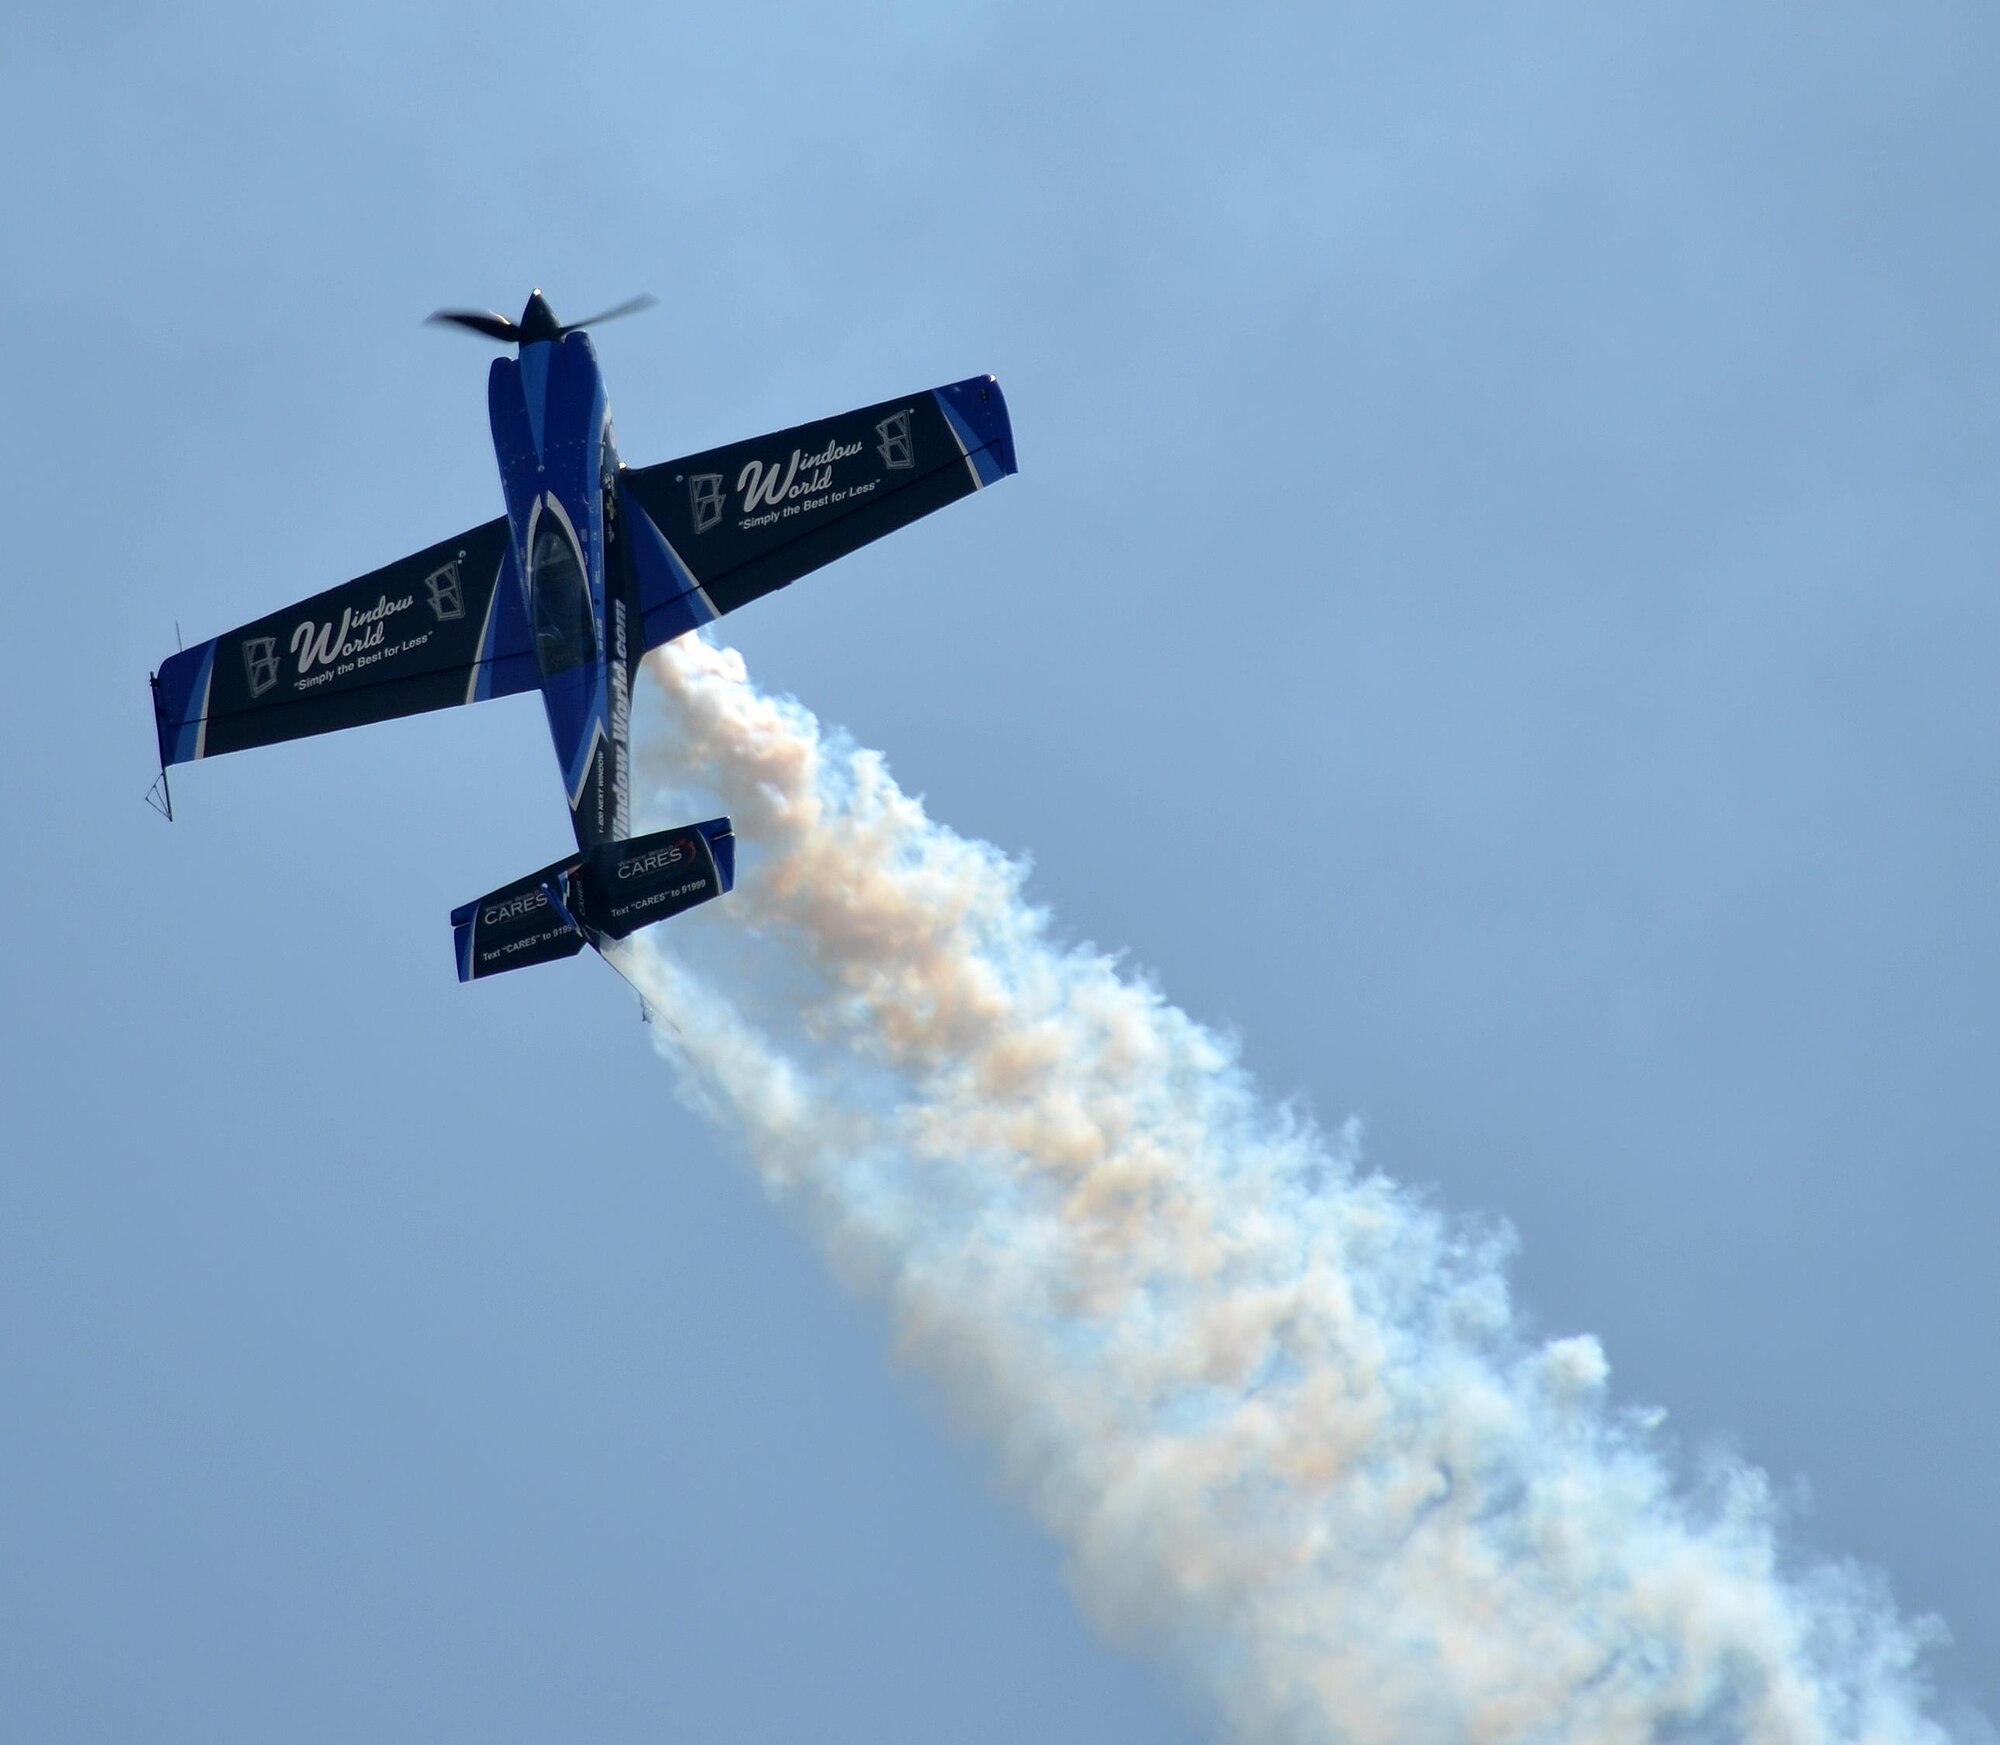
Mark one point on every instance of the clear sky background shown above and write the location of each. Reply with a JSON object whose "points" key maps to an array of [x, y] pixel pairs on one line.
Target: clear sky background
{"points": [[1497, 610]]}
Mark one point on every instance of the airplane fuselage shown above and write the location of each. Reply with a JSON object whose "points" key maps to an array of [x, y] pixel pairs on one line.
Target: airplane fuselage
{"points": [[558, 459]]}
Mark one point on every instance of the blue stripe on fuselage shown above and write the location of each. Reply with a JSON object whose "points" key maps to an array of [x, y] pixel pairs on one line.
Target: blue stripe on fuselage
{"points": [[670, 599], [535, 390]]}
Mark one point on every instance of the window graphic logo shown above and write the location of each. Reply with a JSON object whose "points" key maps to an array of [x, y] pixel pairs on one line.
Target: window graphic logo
{"points": [[897, 452], [447, 596], [705, 493], [260, 663]]}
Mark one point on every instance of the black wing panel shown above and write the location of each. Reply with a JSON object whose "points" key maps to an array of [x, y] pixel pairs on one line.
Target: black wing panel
{"points": [[733, 523], [445, 625]]}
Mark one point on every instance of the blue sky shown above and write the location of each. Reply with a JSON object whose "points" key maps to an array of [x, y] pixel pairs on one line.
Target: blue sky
{"points": [[1496, 611]]}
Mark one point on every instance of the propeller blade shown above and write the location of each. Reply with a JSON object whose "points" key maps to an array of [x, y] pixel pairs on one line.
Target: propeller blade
{"points": [[631, 306], [480, 321]]}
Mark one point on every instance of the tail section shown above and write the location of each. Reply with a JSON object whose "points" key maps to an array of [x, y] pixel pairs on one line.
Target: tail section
{"points": [[591, 899], [529, 921], [624, 886]]}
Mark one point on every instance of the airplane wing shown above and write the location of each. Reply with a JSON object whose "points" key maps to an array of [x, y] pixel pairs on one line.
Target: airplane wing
{"points": [[445, 625], [715, 530]]}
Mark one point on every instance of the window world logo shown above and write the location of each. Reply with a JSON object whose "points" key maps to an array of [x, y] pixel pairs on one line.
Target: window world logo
{"points": [[260, 663], [898, 452], [446, 595], [705, 495]]}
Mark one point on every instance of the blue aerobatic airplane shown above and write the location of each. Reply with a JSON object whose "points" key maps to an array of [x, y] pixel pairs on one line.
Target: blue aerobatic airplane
{"points": [[593, 564]]}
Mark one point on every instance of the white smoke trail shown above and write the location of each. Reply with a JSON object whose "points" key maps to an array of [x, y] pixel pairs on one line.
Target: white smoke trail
{"points": [[1277, 1409]]}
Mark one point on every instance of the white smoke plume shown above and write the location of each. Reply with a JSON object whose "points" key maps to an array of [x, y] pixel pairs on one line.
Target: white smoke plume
{"points": [[1278, 1409]]}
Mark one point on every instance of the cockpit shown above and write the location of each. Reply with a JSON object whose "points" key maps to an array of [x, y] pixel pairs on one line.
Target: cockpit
{"points": [[565, 629]]}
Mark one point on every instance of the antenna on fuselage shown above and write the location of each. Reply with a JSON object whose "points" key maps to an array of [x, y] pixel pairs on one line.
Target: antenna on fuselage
{"points": [[538, 320]]}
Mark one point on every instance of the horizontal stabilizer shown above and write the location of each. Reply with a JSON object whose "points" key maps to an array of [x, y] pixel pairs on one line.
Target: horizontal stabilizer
{"points": [[526, 922], [624, 886], [594, 899]]}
